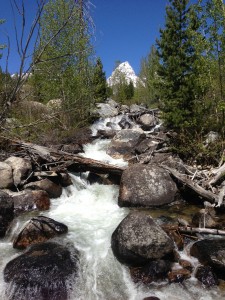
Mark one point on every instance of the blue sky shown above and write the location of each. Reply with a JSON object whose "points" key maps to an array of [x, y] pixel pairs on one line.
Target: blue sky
{"points": [[124, 29]]}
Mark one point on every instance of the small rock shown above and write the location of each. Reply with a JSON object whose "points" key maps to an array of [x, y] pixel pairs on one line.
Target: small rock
{"points": [[28, 200], [53, 190], [206, 276], [152, 271], [178, 275], [38, 230], [186, 264]]}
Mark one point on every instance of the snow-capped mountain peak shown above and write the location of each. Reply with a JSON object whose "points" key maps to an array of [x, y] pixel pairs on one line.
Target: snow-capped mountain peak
{"points": [[125, 69]]}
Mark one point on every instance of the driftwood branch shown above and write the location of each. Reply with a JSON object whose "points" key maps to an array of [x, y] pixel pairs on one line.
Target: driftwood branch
{"points": [[194, 187], [218, 175], [190, 230]]}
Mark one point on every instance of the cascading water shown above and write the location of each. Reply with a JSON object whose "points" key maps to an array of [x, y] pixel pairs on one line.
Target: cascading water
{"points": [[92, 214]]}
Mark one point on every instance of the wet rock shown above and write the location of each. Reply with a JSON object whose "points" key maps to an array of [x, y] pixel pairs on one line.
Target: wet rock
{"points": [[64, 179], [108, 134], [146, 186], [6, 176], [53, 190], [28, 200], [206, 276], [147, 121], [38, 230], [138, 240], [185, 264], [211, 252], [125, 123], [124, 142], [153, 271], [203, 219], [145, 145], [6, 212], [177, 238], [43, 272], [21, 168], [178, 275]]}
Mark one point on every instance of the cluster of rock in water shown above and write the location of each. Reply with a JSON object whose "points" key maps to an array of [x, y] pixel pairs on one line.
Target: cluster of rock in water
{"points": [[139, 241]]}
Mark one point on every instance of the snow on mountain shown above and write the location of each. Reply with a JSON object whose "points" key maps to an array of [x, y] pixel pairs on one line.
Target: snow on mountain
{"points": [[126, 69]]}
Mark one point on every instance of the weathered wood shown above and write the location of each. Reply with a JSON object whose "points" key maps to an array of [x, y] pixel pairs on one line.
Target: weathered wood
{"points": [[218, 175], [73, 162], [189, 229], [198, 190]]}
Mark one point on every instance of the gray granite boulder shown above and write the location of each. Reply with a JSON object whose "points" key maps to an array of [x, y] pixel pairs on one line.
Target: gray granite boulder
{"points": [[6, 176], [21, 168], [146, 186], [138, 240], [124, 141]]}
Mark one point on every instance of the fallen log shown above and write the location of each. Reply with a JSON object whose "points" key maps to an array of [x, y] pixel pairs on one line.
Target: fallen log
{"points": [[194, 187], [219, 174], [189, 229], [72, 162]]}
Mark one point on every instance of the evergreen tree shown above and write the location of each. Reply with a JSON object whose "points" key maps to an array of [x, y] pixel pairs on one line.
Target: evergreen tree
{"points": [[99, 82], [179, 84], [146, 90]]}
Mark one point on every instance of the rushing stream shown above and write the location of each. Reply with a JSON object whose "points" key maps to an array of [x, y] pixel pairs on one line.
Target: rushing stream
{"points": [[92, 214]]}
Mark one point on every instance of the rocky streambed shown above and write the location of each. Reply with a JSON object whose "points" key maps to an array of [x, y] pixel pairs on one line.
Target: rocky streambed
{"points": [[129, 224]]}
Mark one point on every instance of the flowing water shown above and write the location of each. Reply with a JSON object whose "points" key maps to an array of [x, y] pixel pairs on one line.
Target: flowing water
{"points": [[92, 214]]}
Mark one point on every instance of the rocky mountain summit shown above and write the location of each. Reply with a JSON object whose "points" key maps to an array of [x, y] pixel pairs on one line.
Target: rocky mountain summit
{"points": [[125, 69]]}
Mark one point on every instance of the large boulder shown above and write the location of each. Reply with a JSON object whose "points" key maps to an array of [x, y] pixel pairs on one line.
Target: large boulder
{"points": [[54, 190], [28, 200], [138, 240], [44, 272], [146, 186], [124, 142], [211, 252], [6, 212], [6, 176], [38, 230], [105, 110], [21, 168]]}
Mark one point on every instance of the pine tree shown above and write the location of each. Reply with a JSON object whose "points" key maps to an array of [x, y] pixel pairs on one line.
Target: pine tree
{"points": [[146, 90], [179, 71], [99, 82]]}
